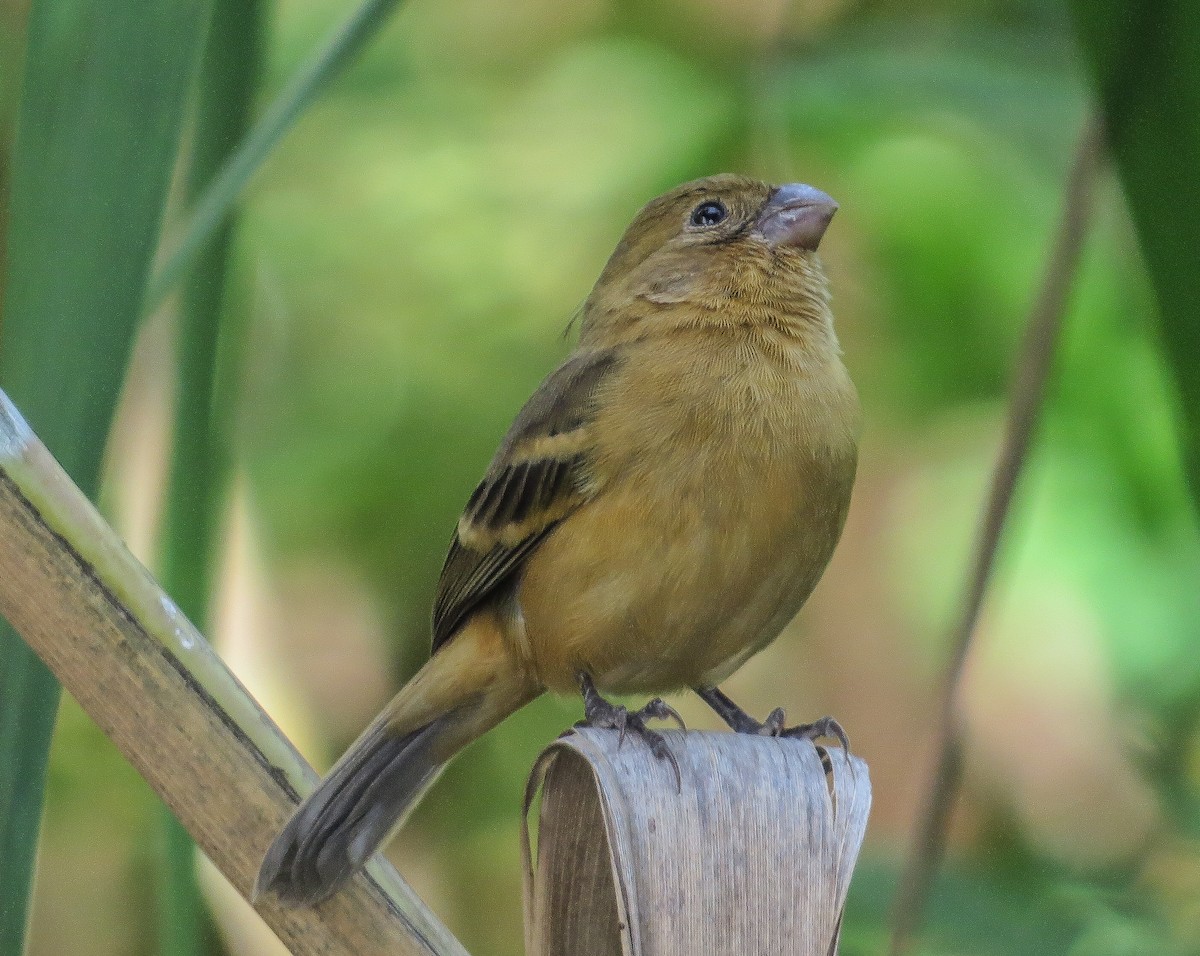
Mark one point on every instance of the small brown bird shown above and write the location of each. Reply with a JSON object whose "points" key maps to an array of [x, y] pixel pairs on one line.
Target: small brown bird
{"points": [[658, 512]]}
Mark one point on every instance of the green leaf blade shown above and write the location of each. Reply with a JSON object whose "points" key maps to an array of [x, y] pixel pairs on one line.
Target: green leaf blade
{"points": [[99, 127], [1145, 64]]}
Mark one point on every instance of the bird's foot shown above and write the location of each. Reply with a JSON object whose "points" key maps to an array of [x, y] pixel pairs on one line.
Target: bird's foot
{"points": [[775, 724], [598, 712]]}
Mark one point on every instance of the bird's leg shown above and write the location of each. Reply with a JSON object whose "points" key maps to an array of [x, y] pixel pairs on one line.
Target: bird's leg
{"points": [[773, 726], [598, 712]]}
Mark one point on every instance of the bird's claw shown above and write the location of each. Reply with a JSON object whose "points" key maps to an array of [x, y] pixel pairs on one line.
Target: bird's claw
{"points": [[657, 744], [825, 727], [598, 712], [659, 709], [774, 726]]}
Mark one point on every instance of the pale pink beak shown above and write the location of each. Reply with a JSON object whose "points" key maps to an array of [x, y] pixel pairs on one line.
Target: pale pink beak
{"points": [[795, 215]]}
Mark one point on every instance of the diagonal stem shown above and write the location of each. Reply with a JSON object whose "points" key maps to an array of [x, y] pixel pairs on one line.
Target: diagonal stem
{"points": [[1028, 394], [136, 665], [214, 206]]}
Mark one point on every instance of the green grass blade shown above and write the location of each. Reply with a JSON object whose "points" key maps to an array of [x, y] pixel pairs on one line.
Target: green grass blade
{"points": [[229, 76], [28, 703], [308, 83], [183, 924], [1145, 60], [199, 463], [100, 119]]}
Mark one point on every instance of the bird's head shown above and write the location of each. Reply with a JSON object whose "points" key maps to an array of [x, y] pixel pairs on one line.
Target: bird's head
{"points": [[718, 251]]}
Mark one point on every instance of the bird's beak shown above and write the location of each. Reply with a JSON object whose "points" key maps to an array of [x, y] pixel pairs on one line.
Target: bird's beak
{"points": [[795, 215]]}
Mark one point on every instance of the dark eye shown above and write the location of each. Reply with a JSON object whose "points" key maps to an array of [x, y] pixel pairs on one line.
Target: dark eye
{"points": [[709, 214]]}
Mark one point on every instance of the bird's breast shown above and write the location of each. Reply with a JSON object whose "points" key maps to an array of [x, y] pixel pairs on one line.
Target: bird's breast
{"points": [[723, 477], [731, 421]]}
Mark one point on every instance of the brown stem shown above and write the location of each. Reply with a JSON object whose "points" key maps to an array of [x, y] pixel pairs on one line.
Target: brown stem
{"points": [[1028, 392]]}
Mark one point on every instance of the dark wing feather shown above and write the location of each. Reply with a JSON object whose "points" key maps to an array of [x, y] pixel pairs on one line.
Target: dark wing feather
{"points": [[539, 476]]}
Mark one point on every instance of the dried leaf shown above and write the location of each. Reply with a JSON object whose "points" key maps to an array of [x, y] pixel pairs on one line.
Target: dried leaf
{"points": [[753, 856]]}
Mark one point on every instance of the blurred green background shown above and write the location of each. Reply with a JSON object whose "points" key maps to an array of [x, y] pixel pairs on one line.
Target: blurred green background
{"points": [[403, 269]]}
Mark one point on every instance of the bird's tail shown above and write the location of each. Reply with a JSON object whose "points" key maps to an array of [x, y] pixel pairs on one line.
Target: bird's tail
{"points": [[470, 685]]}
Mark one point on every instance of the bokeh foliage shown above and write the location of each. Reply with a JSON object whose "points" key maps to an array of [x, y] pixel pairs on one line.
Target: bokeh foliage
{"points": [[413, 251]]}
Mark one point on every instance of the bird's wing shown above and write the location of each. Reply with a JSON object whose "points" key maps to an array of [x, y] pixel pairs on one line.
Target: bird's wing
{"points": [[539, 476]]}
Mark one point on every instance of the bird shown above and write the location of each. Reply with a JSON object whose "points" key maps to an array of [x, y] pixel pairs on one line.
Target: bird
{"points": [[658, 512]]}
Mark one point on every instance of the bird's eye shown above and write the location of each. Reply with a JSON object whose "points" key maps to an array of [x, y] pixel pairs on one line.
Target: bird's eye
{"points": [[709, 214]]}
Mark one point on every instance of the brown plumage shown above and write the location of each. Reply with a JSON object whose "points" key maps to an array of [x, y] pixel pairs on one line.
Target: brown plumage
{"points": [[659, 510]]}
